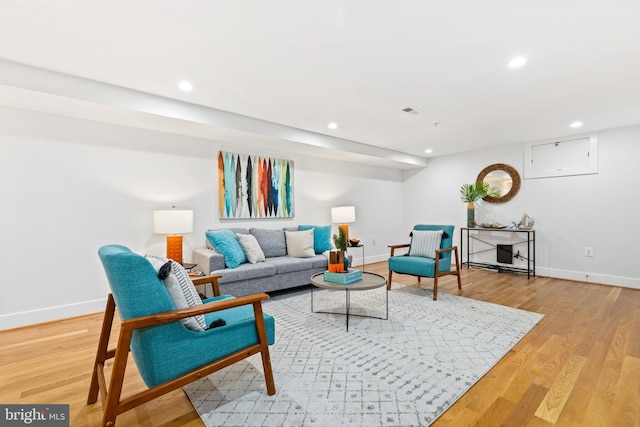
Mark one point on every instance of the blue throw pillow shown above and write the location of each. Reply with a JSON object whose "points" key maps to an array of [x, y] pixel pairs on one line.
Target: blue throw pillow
{"points": [[321, 237], [226, 243]]}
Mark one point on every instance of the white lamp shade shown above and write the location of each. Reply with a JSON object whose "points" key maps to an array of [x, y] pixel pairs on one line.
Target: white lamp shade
{"points": [[172, 221], [343, 214]]}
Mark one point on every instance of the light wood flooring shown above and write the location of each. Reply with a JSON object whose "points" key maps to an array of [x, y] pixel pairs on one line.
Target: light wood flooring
{"points": [[579, 367]]}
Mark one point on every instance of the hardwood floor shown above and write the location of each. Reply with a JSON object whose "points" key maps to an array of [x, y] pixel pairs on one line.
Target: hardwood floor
{"points": [[579, 367]]}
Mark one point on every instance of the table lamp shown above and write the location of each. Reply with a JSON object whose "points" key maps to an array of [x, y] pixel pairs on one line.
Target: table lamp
{"points": [[173, 223], [341, 215]]}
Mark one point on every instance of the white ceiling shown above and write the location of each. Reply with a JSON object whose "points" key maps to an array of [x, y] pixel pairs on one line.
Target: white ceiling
{"points": [[273, 74]]}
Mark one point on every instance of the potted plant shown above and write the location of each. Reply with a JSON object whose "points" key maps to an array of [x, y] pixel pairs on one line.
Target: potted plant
{"points": [[471, 193], [340, 241]]}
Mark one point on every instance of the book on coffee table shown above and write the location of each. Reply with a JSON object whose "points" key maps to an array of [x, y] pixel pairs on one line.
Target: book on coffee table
{"points": [[351, 276]]}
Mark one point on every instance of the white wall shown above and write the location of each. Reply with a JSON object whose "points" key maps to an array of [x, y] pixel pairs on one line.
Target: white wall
{"points": [[600, 210], [69, 186]]}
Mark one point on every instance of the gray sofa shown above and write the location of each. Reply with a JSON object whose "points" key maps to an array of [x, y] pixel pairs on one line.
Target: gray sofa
{"points": [[278, 272]]}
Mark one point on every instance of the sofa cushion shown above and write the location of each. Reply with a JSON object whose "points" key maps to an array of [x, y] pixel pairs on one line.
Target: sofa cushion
{"points": [[226, 243], [321, 237], [300, 243], [251, 248], [246, 272], [272, 242], [414, 265], [320, 261], [287, 264], [181, 290]]}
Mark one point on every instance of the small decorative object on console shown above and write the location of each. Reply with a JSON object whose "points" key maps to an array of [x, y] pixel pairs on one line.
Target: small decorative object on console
{"points": [[526, 223], [493, 225], [350, 276], [354, 241]]}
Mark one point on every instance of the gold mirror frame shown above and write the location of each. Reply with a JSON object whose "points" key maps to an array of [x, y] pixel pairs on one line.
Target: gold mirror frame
{"points": [[515, 178]]}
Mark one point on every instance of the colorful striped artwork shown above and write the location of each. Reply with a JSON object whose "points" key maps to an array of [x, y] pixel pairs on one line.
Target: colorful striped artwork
{"points": [[254, 187]]}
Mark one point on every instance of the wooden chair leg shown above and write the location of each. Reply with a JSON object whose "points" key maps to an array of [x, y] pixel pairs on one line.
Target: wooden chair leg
{"points": [[110, 394], [389, 281], [112, 402], [264, 352], [436, 273], [435, 287], [458, 268], [102, 352]]}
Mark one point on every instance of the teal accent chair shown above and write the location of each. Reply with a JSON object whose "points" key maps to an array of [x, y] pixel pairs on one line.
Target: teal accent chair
{"points": [[166, 353], [427, 267]]}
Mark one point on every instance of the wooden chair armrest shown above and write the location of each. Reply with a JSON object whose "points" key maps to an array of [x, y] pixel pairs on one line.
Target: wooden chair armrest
{"points": [[438, 251], [394, 247], [182, 313], [213, 279]]}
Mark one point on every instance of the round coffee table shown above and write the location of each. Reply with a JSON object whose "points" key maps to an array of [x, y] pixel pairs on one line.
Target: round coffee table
{"points": [[369, 281]]}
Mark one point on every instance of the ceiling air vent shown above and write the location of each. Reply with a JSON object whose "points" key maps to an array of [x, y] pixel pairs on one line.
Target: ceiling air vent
{"points": [[411, 110]]}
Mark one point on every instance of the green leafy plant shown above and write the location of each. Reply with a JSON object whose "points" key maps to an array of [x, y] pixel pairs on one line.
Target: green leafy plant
{"points": [[340, 240], [471, 193]]}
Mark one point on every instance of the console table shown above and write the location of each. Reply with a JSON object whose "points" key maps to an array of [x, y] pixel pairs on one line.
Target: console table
{"points": [[525, 242]]}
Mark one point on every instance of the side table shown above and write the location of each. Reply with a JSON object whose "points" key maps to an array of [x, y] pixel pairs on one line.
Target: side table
{"points": [[361, 246]]}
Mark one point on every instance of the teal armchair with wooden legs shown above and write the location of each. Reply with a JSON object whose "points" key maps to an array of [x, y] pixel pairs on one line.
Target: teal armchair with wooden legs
{"points": [[429, 255], [169, 355]]}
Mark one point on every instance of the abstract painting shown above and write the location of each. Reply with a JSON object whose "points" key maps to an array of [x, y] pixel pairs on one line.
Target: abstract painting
{"points": [[254, 187]]}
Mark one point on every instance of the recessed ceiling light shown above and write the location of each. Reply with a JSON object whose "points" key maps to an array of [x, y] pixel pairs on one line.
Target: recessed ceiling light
{"points": [[185, 85], [576, 125], [516, 62], [332, 125], [428, 151]]}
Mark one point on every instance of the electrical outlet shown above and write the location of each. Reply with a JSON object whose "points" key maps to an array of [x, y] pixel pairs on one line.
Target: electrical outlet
{"points": [[373, 241], [588, 251]]}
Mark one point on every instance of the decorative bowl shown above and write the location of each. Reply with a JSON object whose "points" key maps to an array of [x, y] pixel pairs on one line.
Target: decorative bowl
{"points": [[354, 241]]}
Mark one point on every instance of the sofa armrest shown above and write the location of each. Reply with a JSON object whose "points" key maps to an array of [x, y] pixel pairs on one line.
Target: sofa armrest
{"points": [[208, 260]]}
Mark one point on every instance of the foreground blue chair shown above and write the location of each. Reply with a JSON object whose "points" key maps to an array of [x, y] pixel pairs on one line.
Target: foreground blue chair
{"points": [[434, 266], [166, 353]]}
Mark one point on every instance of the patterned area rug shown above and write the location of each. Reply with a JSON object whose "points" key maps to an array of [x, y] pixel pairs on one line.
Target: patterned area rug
{"points": [[404, 371]]}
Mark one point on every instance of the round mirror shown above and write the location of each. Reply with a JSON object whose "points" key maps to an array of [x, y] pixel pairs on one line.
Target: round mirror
{"points": [[504, 177]]}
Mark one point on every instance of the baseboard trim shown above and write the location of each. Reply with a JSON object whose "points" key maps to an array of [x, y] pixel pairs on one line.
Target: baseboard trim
{"points": [[369, 259], [32, 317], [581, 276]]}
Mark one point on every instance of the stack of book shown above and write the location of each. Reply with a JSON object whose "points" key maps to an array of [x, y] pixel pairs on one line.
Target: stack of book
{"points": [[350, 276]]}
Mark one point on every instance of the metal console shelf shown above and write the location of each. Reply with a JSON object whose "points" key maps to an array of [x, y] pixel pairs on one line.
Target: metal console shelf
{"points": [[529, 256]]}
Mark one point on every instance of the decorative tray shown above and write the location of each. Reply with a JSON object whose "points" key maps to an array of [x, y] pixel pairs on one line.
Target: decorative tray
{"points": [[493, 225]]}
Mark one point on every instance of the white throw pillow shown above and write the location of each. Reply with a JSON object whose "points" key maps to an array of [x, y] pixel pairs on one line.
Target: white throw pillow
{"points": [[181, 290], [300, 243], [251, 248], [425, 242]]}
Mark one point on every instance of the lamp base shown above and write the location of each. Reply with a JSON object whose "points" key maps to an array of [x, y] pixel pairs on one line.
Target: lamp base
{"points": [[174, 247]]}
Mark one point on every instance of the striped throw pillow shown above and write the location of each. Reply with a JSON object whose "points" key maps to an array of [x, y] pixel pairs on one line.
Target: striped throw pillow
{"points": [[181, 290], [425, 242]]}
